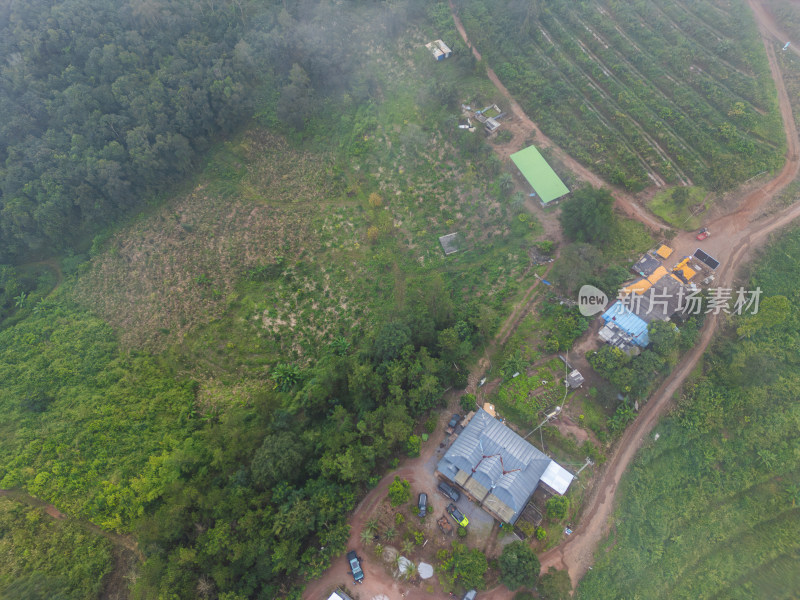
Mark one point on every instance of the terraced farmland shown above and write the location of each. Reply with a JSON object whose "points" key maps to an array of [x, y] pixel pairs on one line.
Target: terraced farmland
{"points": [[645, 93]]}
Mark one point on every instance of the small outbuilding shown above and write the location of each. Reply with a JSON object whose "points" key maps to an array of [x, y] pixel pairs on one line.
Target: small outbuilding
{"points": [[449, 243], [664, 251], [439, 49], [646, 265], [540, 175], [339, 595], [574, 379]]}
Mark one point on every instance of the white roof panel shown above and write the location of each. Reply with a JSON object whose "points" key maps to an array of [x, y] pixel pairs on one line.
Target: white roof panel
{"points": [[557, 477]]}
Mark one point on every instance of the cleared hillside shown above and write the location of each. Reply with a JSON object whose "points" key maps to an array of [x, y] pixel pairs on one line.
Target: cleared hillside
{"points": [[644, 93]]}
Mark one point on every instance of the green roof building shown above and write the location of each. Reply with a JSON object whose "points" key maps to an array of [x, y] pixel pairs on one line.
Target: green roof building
{"points": [[544, 181]]}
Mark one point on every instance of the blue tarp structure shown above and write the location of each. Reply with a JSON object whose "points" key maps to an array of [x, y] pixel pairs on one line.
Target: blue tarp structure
{"points": [[622, 317]]}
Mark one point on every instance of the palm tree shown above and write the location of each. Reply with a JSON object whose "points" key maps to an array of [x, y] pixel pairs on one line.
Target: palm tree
{"points": [[366, 537], [390, 533], [407, 547], [285, 376], [506, 182], [411, 570], [518, 201], [19, 301], [371, 525]]}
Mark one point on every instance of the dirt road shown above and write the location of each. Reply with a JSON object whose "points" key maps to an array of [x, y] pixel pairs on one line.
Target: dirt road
{"points": [[125, 550], [734, 237]]}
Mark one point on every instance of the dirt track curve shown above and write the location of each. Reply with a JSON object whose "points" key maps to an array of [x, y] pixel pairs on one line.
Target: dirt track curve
{"points": [[736, 235], [125, 550]]}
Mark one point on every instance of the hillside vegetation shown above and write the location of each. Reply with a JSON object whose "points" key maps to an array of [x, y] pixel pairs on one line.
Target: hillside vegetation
{"points": [[44, 558], [646, 92], [712, 508], [241, 361]]}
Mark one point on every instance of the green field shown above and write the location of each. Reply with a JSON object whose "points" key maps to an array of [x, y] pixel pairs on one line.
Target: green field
{"points": [[645, 92], [712, 508], [687, 215]]}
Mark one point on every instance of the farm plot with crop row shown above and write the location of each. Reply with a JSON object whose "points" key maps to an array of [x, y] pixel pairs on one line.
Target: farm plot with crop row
{"points": [[645, 93]]}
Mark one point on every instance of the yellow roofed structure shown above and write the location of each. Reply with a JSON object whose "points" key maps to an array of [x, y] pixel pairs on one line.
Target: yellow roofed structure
{"points": [[639, 287], [657, 274], [686, 271], [664, 251]]}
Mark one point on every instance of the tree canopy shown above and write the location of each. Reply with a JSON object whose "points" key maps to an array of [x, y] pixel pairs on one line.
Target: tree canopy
{"points": [[519, 566], [587, 215]]}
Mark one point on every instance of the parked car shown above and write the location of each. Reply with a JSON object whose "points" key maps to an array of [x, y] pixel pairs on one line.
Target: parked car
{"points": [[449, 491], [457, 515], [451, 424], [355, 567], [422, 504], [703, 234], [470, 595]]}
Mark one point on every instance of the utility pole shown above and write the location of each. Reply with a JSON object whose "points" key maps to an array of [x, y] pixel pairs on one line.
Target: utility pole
{"points": [[547, 418], [588, 462]]}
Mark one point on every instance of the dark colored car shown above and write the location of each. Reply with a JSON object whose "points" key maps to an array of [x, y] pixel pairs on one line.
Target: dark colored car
{"points": [[449, 491], [451, 424], [422, 504], [470, 595], [355, 567], [457, 515]]}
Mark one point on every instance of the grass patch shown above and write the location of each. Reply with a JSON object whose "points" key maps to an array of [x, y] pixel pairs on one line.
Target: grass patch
{"points": [[687, 215]]}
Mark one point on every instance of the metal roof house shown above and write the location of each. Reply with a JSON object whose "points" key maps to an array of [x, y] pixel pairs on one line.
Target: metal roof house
{"points": [[620, 317], [540, 175], [499, 469]]}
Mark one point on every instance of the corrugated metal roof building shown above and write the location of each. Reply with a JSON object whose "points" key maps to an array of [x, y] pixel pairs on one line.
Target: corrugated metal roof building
{"points": [[628, 322], [498, 468]]}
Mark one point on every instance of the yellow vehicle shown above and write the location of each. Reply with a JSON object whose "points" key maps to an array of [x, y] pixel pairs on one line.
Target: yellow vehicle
{"points": [[457, 515]]}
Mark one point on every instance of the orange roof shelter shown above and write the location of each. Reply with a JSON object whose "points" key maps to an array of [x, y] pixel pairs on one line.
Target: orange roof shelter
{"points": [[664, 251], [638, 287], [656, 275]]}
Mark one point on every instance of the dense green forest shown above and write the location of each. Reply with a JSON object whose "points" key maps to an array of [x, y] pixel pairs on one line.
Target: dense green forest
{"points": [[712, 508], [104, 103], [640, 92]]}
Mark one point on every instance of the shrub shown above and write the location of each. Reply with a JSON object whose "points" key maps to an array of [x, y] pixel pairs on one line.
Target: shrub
{"points": [[541, 533], [414, 445], [555, 585], [557, 507], [467, 402], [430, 424], [399, 519], [519, 566], [399, 491], [462, 532]]}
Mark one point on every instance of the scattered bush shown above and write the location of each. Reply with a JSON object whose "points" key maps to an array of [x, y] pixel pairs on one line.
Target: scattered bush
{"points": [[414, 446], [467, 402], [519, 566], [399, 491], [557, 507]]}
